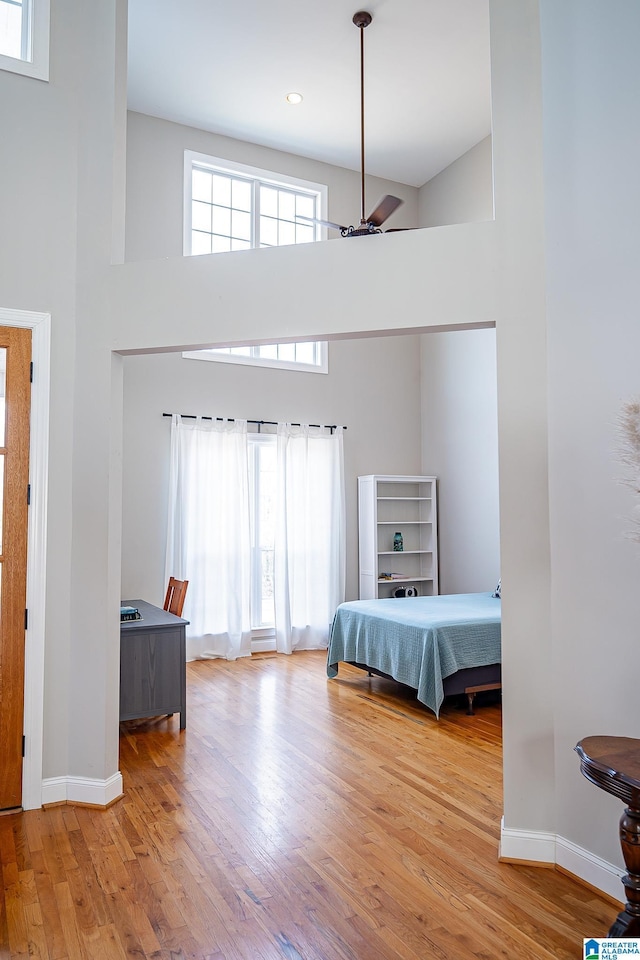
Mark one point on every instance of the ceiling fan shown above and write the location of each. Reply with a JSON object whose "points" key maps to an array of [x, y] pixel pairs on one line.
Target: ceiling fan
{"points": [[388, 204]]}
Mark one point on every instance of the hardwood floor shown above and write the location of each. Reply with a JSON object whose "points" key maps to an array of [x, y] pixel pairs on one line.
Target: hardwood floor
{"points": [[294, 818]]}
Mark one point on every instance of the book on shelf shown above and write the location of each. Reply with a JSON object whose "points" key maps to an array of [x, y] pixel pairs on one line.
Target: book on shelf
{"points": [[129, 613], [393, 576]]}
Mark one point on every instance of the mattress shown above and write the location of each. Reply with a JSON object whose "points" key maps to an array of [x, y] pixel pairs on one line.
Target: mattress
{"points": [[418, 641]]}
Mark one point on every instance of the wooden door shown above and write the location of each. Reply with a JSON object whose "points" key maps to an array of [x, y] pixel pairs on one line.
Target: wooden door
{"points": [[15, 397]]}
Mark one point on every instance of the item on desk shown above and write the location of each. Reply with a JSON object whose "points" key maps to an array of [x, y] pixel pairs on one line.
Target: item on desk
{"points": [[129, 613]]}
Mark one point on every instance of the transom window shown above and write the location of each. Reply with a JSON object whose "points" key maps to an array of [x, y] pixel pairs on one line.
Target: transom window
{"points": [[311, 356], [24, 37], [235, 207]]}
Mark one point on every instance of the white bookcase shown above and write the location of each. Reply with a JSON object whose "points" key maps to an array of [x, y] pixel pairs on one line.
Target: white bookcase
{"points": [[388, 505]]}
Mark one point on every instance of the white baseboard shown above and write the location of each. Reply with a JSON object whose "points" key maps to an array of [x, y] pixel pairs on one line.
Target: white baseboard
{"points": [[532, 845], [535, 846], [590, 868], [99, 793], [263, 645]]}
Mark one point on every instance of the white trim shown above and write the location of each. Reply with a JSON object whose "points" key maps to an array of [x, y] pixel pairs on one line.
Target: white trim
{"points": [[590, 868], [534, 846], [263, 645], [40, 325], [254, 173], [98, 793], [37, 65]]}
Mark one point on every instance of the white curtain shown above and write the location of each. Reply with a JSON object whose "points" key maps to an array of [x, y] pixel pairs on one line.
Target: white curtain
{"points": [[208, 534], [309, 556]]}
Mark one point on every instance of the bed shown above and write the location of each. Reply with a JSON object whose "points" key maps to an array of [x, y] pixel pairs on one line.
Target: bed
{"points": [[439, 645]]}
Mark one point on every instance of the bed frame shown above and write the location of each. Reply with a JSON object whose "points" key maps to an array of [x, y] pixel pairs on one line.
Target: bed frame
{"points": [[470, 681]]}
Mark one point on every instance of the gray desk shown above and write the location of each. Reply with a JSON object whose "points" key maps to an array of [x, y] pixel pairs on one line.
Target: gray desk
{"points": [[152, 664]]}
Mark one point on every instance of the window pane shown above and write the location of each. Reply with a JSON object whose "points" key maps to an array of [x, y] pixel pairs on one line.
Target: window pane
{"points": [[268, 611], [201, 185], [304, 352], [1, 498], [266, 527], [287, 351], [305, 206], [305, 234], [241, 225], [11, 30], [268, 231], [221, 220], [240, 244], [201, 216], [286, 233], [241, 195], [200, 243], [240, 351], [221, 190], [268, 201], [220, 244], [268, 351], [287, 208], [3, 382]]}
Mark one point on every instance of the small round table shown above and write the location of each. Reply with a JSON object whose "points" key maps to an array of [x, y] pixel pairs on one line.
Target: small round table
{"points": [[613, 764]]}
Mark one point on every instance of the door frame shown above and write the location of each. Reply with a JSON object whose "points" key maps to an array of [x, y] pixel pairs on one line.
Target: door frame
{"points": [[40, 325]]}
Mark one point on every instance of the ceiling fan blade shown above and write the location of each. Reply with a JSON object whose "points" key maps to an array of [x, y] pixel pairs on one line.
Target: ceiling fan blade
{"points": [[384, 210], [322, 223], [400, 229]]}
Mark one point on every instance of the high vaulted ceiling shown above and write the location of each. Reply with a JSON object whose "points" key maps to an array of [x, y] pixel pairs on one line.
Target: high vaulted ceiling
{"points": [[227, 65]]}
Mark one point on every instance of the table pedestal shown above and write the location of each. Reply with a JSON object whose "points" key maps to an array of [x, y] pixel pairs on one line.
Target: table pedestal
{"points": [[613, 764]]}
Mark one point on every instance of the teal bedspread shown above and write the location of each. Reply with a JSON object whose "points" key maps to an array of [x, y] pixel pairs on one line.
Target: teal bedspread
{"points": [[418, 640]]}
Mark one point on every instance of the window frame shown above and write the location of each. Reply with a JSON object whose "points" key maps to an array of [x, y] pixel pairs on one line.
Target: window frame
{"points": [[257, 361], [256, 175], [35, 43]]}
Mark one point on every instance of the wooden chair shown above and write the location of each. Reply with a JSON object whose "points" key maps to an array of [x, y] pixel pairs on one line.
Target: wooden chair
{"points": [[176, 592]]}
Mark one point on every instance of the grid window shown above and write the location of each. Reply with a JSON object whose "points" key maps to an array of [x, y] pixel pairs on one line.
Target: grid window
{"points": [[310, 356], [236, 209], [24, 37], [14, 29]]}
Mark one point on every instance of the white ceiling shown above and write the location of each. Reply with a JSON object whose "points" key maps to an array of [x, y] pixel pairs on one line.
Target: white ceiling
{"points": [[227, 65]]}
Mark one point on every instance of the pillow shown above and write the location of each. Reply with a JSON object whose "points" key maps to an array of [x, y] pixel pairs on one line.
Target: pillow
{"points": [[497, 593]]}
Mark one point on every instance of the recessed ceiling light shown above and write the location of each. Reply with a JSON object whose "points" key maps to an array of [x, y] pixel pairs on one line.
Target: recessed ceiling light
{"points": [[294, 98]]}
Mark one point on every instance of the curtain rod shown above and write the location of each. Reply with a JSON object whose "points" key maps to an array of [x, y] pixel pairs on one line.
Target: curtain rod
{"points": [[261, 423]]}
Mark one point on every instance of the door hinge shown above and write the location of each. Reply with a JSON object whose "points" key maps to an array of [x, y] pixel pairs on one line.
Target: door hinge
{"points": [[26, 619], [24, 744], [31, 372], [28, 494]]}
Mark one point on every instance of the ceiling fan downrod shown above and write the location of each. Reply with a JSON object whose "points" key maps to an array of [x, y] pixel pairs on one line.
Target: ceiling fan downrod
{"points": [[362, 19]]}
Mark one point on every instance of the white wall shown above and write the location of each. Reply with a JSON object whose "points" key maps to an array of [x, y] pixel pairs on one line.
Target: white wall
{"points": [[460, 447], [373, 387], [155, 174], [592, 201], [56, 196], [462, 192]]}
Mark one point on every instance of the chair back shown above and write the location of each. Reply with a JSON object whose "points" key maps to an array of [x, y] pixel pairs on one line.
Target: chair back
{"points": [[176, 592]]}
